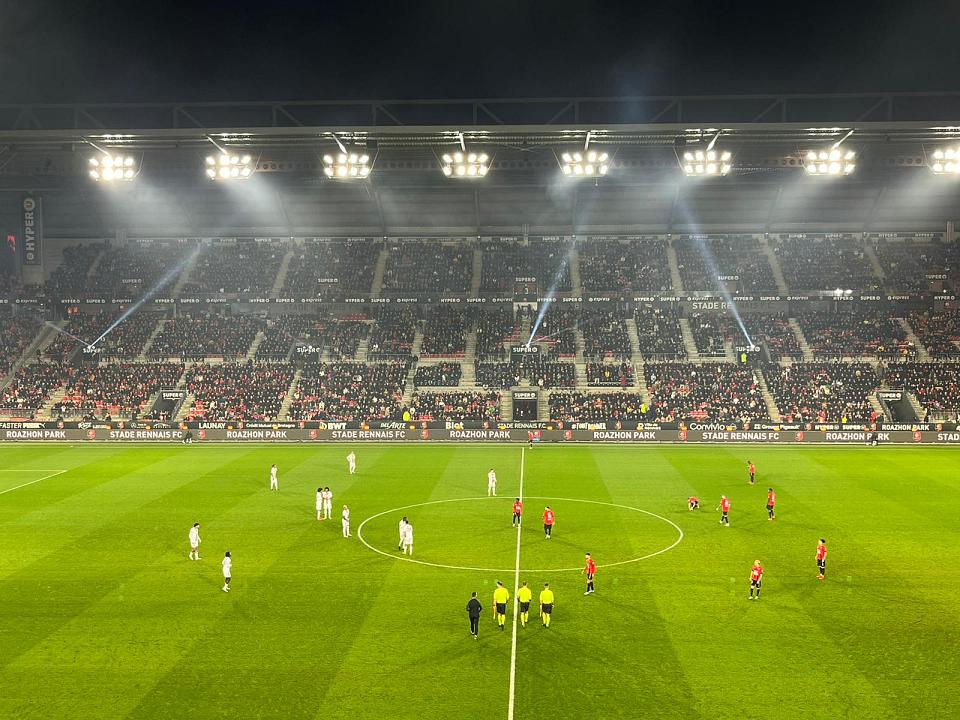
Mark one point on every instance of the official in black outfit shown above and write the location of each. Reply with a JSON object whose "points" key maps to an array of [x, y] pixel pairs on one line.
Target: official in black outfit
{"points": [[474, 608]]}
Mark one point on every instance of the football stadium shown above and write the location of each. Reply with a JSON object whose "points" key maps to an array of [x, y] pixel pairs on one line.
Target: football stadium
{"points": [[666, 387]]}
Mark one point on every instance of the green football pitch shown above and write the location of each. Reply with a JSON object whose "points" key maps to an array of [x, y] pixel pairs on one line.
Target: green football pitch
{"points": [[104, 616]]}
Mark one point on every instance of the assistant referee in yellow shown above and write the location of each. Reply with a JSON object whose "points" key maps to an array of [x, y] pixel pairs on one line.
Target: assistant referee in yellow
{"points": [[546, 604], [500, 597], [524, 596]]}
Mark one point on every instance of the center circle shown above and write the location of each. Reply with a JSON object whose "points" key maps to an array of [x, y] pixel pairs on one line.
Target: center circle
{"points": [[531, 524]]}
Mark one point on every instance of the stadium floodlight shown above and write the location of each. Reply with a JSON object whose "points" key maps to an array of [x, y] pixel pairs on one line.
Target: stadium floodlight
{"points": [[586, 163], [946, 161], [347, 164], [229, 166], [834, 161], [465, 164], [706, 163], [105, 167]]}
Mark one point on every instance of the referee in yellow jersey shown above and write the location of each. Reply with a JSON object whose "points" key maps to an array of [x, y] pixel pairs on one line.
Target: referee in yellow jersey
{"points": [[546, 604], [500, 597], [524, 596]]}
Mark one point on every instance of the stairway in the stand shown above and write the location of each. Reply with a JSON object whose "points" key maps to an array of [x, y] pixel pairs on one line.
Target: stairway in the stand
{"points": [[875, 404], [185, 274], [142, 357], [774, 262], [689, 344], [379, 269], [575, 281], [185, 407], [44, 412], [874, 260], [46, 334], [773, 412], [363, 349], [506, 405], [801, 340], [281, 278], [408, 387], [640, 378], [477, 272], [252, 350], [674, 269], [922, 354], [288, 398], [634, 336]]}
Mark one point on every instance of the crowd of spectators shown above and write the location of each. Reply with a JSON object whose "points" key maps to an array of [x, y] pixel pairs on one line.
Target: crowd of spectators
{"points": [[198, 335], [540, 371], [586, 407], [658, 331], [823, 392], [445, 374], [393, 330], [445, 331], [132, 269], [855, 333], [734, 262], [507, 262], [815, 264], [916, 267], [495, 327], [939, 331], [16, 334], [936, 385], [117, 389], [709, 333], [774, 331], [345, 338], [557, 328], [716, 392], [242, 267], [31, 387], [331, 268], [428, 266], [281, 333], [605, 333], [610, 374], [345, 391], [238, 391], [471, 406], [634, 265], [69, 278]]}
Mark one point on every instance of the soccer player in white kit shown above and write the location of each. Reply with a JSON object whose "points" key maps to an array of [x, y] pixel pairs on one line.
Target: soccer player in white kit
{"points": [[403, 524], [320, 497], [227, 564], [491, 483], [345, 521], [408, 539], [352, 462], [273, 478], [195, 542], [327, 503]]}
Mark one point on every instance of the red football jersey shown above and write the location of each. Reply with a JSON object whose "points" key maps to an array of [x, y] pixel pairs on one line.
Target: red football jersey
{"points": [[591, 567], [821, 552], [548, 517], [751, 468], [756, 572], [771, 498], [725, 505], [693, 499], [517, 507]]}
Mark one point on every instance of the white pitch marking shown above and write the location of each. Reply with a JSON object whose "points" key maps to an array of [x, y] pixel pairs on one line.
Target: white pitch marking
{"points": [[516, 607], [47, 477], [676, 542]]}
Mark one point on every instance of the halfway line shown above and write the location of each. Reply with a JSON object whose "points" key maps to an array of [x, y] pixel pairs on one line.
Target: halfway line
{"points": [[516, 607], [47, 477]]}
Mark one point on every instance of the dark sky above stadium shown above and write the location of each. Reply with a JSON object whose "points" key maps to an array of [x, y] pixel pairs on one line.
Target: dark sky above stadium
{"points": [[103, 50]]}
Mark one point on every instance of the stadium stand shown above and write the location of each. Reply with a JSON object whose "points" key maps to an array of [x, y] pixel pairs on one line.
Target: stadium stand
{"points": [[711, 392], [821, 264], [117, 389], [428, 266], [855, 333], [125, 340], [912, 266], [624, 265], [659, 334], [199, 335], [735, 262], [610, 375], [393, 331], [69, 278], [507, 261], [605, 333], [344, 391], [31, 387], [938, 331], [557, 329], [132, 269], [936, 385], [280, 334], [238, 391], [457, 407], [445, 374], [241, 267], [585, 406], [494, 327], [16, 334], [345, 338], [823, 392], [709, 332], [444, 332], [321, 268]]}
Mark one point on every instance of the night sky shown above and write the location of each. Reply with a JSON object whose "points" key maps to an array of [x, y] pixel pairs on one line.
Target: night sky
{"points": [[167, 50]]}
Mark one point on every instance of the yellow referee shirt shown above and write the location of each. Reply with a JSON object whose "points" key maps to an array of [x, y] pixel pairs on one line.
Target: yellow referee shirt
{"points": [[546, 597], [501, 595], [524, 595]]}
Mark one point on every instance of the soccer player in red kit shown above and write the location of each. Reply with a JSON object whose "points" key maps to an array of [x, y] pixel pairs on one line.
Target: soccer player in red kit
{"points": [[751, 468], [771, 501], [821, 559], [517, 512], [756, 575], [548, 521], [724, 508], [589, 570], [693, 503]]}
